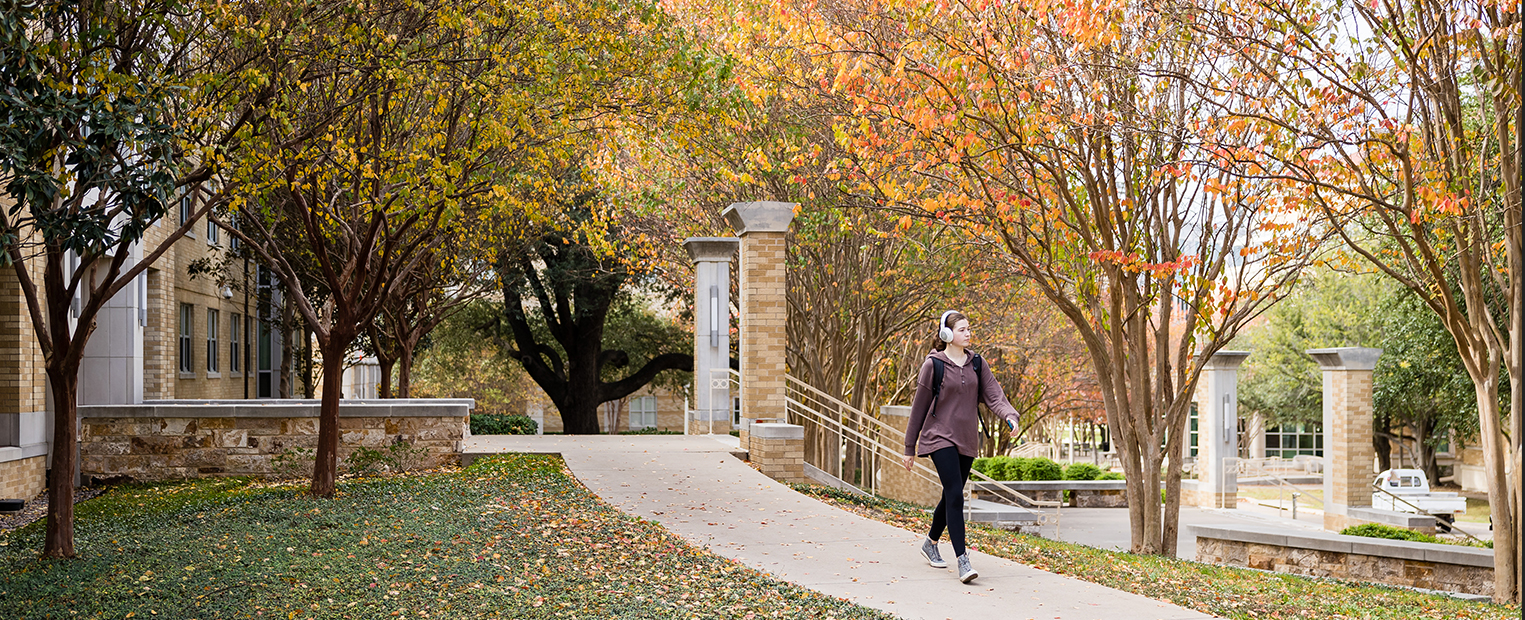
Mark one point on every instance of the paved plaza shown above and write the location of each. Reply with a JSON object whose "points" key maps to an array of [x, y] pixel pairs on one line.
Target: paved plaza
{"points": [[695, 488]]}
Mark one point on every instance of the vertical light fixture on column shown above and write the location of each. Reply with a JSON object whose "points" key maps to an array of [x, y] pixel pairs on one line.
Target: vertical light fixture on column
{"points": [[762, 227], [712, 338], [1217, 432], [1348, 453]]}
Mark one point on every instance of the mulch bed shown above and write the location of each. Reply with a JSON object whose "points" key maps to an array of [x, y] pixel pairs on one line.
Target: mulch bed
{"points": [[37, 508]]}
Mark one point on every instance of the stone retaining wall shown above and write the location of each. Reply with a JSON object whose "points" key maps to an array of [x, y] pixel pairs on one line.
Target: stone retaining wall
{"points": [[160, 440], [1452, 568]]}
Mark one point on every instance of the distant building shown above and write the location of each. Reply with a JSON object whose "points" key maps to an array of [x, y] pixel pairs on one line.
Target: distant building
{"points": [[167, 336]]}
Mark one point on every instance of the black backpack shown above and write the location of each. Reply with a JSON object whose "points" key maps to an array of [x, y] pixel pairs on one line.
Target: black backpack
{"points": [[938, 367]]}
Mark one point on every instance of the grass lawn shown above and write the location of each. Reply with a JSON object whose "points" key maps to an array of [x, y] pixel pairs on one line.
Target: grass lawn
{"points": [[1219, 590], [510, 537]]}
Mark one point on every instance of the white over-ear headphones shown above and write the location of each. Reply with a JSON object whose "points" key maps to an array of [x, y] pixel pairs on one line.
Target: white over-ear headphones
{"points": [[943, 331]]}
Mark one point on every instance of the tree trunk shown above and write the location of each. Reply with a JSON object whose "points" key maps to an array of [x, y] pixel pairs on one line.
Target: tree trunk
{"points": [[325, 467], [1380, 442], [384, 389], [59, 541], [405, 371], [288, 355], [1501, 496]]}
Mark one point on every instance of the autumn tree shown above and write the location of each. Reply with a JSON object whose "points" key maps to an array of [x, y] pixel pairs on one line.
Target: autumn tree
{"points": [[1072, 139], [113, 110], [1400, 121], [383, 129], [1035, 353], [558, 291], [445, 281]]}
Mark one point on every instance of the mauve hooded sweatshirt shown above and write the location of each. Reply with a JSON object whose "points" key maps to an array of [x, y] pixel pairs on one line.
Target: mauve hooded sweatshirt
{"points": [[957, 420]]}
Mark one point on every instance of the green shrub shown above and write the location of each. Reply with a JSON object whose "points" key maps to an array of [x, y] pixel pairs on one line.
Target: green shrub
{"points": [[982, 465], [1081, 471], [1005, 468], [1377, 530], [1110, 475], [1020, 468], [496, 424], [1043, 469], [366, 461], [293, 463]]}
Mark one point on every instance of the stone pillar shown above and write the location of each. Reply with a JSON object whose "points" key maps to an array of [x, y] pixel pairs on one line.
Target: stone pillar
{"points": [[764, 308], [894, 481], [778, 450], [1218, 430], [1348, 453], [712, 333]]}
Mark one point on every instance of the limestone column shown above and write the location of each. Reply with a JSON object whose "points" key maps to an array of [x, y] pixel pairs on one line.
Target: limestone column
{"points": [[1218, 430], [762, 227], [1348, 453], [712, 333]]}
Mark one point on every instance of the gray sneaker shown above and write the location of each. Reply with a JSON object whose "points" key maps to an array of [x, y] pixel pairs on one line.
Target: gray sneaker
{"points": [[966, 572], [929, 551]]}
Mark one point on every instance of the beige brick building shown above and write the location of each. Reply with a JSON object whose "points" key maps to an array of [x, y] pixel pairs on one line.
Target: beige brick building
{"points": [[169, 335], [649, 408]]}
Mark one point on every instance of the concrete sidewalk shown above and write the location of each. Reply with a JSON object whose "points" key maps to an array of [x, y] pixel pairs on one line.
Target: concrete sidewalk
{"points": [[696, 489]]}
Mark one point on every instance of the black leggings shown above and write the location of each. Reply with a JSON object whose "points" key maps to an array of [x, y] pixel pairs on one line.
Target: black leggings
{"points": [[953, 470]]}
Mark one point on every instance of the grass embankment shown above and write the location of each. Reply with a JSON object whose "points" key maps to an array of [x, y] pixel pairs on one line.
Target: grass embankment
{"points": [[510, 537], [1219, 590]]}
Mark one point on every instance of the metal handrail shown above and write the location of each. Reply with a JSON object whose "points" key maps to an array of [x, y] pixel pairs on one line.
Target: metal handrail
{"points": [[920, 469], [1378, 486], [1283, 483]]}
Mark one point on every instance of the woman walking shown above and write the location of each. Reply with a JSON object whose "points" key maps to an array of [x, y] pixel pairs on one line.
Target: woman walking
{"points": [[945, 426]]}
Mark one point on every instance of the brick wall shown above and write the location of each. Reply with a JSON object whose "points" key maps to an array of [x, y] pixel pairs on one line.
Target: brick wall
{"points": [[763, 322], [22, 479], [894, 481], [23, 383], [778, 450]]}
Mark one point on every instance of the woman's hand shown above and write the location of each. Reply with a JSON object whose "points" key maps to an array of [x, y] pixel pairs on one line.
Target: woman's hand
{"points": [[907, 460]]}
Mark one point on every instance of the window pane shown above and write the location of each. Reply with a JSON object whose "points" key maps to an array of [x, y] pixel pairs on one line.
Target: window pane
{"points": [[1273, 441]]}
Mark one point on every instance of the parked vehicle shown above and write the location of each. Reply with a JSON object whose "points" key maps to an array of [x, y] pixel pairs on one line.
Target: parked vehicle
{"points": [[1408, 490]]}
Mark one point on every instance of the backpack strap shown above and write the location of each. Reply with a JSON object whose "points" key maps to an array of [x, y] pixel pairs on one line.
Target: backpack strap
{"points": [[937, 383], [938, 368]]}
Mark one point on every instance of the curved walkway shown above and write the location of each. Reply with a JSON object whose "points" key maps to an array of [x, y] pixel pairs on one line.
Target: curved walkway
{"points": [[696, 489]]}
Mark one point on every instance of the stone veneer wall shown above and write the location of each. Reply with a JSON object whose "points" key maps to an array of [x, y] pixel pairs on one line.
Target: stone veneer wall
{"points": [[1431, 566], [778, 450], [185, 439]]}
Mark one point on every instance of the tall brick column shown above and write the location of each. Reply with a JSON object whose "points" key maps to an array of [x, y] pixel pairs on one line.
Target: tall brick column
{"points": [[1348, 453], [712, 333], [1218, 430], [762, 227]]}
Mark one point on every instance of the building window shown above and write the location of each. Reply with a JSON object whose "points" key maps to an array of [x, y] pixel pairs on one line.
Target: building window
{"points": [[187, 315], [211, 340], [1193, 447], [235, 337], [643, 412], [1289, 440], [233, 239], [212, 237], [187, 202]]}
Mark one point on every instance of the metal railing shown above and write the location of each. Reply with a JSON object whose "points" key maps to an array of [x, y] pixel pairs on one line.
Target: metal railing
{"points": [[834, 427], [723, 383], [1376, 484]]}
